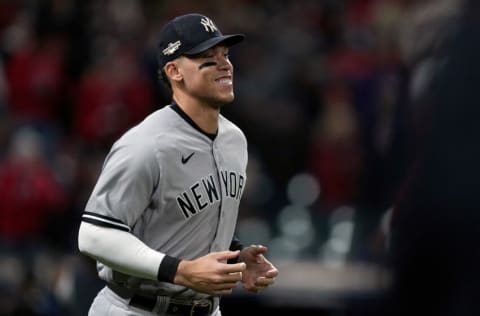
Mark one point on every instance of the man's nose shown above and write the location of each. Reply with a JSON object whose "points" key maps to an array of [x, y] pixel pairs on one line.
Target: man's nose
{"points": [[224, 63]]}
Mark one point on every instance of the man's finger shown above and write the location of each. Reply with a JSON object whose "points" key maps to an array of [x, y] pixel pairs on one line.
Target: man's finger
{"points": [[260, 258], [271, 273], [222, 292], [225, 255], [258, 249], [264, 282], [225, 286], [233, 277], [234, 267]]}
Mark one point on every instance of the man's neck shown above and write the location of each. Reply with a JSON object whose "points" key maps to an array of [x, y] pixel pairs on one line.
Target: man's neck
{"points": [[204, 115]]}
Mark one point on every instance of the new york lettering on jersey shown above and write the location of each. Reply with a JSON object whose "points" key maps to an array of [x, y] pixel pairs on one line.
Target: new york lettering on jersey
{"points": [[205, 192]]}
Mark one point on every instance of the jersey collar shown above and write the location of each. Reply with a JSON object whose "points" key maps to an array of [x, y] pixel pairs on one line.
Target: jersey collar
{"points": [[174, 106]]}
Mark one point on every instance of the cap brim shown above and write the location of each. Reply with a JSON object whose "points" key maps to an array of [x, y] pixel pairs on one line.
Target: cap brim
{"points": [[228, 40]]}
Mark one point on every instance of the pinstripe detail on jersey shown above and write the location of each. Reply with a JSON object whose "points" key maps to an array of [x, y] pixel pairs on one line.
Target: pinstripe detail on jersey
{"points": [[104, 221]]}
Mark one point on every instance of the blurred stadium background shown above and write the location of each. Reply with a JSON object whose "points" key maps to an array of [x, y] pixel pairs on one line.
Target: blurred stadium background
{"points": [[324, 93]]}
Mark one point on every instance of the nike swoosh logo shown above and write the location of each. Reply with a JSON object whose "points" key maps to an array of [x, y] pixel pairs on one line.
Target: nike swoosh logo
{"points": [[186, 159]]}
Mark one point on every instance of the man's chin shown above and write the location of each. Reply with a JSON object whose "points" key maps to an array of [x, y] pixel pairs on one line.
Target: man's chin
{"points": [[223, 101]]}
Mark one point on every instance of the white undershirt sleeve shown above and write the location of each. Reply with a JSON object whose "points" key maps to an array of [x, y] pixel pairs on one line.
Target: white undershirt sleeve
{"points": [[120, 250]]}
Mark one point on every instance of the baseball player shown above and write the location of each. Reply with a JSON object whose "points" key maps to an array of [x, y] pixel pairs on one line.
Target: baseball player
{"points": [[161, 219]]}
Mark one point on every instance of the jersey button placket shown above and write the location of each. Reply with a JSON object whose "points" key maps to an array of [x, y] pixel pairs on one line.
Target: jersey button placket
{"points": [[218, 162]]}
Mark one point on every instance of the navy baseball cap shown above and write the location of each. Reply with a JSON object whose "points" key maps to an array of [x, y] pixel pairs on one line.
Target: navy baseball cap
{"points": [[191, 34]]}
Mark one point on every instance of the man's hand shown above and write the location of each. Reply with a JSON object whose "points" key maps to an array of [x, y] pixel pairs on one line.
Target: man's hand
{"points": [[260, 273], [211, 274]]}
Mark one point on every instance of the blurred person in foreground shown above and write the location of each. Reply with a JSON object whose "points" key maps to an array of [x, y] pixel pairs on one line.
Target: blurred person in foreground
{"points": [[435, 225], [161, 219]]}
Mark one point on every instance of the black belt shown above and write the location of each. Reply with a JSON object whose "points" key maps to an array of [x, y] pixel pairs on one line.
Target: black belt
{"points": [[188, 308]]}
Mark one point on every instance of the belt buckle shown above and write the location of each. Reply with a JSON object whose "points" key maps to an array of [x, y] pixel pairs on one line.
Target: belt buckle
{"points": [[208, 304]]}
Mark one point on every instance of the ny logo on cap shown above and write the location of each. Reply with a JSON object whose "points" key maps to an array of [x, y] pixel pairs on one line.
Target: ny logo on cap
{"points": [[208, 25]]}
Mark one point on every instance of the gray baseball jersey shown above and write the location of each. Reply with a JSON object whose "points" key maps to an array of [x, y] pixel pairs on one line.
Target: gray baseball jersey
{"points": [[174, 187]]}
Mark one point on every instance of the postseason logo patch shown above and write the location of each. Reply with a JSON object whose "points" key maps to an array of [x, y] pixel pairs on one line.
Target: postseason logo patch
{"points": [[171, 48]]}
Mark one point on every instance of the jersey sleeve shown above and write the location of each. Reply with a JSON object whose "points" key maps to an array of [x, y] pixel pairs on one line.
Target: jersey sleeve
{"points": [[125, 186]]}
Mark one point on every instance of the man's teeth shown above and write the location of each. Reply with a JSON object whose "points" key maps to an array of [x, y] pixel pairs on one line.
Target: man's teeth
{"points": [[225, 81]]}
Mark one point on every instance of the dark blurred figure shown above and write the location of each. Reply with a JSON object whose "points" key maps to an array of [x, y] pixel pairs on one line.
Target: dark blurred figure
{"points": [[336, 155], [34, 74], [29, 193], [115, 84], [435, 226]]}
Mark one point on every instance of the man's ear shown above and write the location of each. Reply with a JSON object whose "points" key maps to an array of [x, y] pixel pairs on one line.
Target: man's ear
{"points": [[172, 71]]}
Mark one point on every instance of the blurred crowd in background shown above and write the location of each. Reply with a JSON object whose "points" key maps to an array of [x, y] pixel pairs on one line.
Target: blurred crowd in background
{"points": [[325, 91]]}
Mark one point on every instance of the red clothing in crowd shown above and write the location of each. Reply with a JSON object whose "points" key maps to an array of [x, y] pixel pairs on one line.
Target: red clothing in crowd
{"points": [[28, 193], [110, 99], [35, 79]]}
